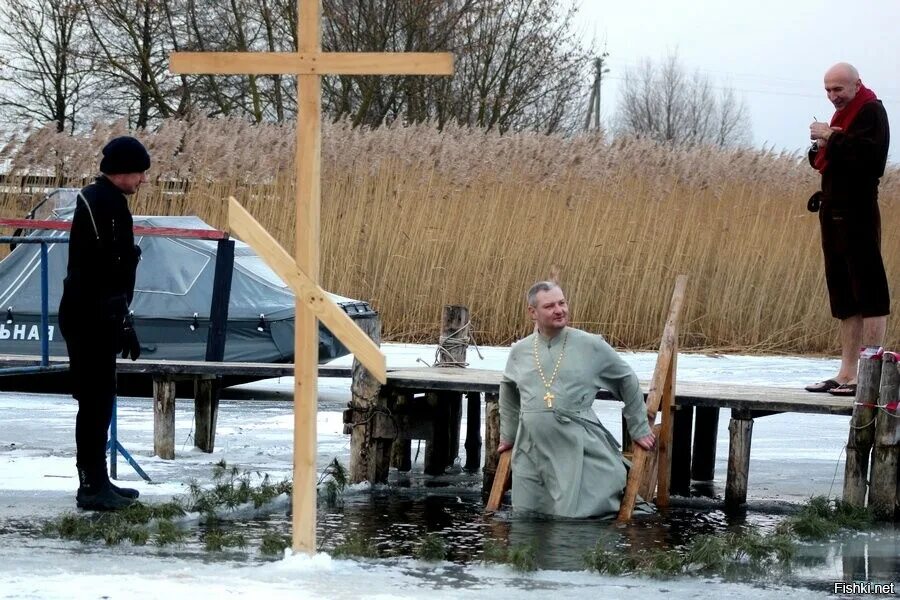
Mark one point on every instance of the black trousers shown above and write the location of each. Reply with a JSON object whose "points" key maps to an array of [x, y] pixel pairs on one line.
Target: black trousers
{"points": [[92, 370]]}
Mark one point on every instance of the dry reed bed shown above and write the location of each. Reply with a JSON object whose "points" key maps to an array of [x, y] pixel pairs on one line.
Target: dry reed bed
{"points": [[413, 218]]}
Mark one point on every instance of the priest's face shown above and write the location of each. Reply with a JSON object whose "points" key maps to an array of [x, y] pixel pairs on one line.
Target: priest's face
{"points": [[551, 311]]}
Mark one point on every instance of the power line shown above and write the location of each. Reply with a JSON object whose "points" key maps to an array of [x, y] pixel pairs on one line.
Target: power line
{"points": [[804, 83], [770, 92]]}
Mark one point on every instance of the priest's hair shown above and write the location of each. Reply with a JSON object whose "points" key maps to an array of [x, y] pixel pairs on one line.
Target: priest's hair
{"points": [[540, 286]]}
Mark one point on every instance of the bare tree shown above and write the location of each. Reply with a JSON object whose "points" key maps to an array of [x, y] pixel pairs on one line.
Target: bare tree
{"points": [[46, 72], [518, 62], [664, 103], [132, 55]]}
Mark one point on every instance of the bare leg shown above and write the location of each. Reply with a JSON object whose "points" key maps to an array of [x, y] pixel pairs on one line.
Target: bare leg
{"points": [[851, 340], [873, 329]]}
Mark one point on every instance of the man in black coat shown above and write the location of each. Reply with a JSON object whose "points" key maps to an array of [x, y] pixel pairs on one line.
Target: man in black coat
{"points": [[93, 312], [851, 153]]}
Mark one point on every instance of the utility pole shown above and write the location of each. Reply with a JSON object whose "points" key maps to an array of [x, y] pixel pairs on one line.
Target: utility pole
{"points": [[600, 69]]}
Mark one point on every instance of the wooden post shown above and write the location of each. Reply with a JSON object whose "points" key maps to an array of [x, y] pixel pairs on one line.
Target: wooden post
{"points": [[681, 450], [651, 470], [380, 456], [454, 341], [365, 391], [663, 474], [206, 411], [862, 431], [706, 431], [740, 433], [437, 449], [218, 307], [309, 64], [401, 448], [401, 455], [491, 440], [661, 393], [883, 490], [443, 448], [473, 432], [164, 417], [206, 390], [308, 136]]}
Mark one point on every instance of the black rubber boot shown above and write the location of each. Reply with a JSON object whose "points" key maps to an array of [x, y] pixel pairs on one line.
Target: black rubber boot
{"points": [[95, 492], [130, 493]]}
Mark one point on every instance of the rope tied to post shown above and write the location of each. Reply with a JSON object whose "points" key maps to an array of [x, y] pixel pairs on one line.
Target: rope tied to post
{"points": [[448, 345], [890, 407]]}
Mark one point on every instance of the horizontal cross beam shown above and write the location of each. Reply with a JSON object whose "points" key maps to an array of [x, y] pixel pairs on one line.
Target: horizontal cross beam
{"points": [[324, 63]]}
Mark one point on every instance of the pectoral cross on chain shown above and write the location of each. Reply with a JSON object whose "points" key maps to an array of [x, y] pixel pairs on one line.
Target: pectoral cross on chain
{"points": [[548, 398]]}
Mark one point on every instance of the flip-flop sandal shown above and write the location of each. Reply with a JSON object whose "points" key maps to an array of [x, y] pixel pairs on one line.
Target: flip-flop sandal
{"points": [[847, 389], [823, 386]]}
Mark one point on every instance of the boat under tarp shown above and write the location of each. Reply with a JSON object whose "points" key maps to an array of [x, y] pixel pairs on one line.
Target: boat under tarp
{"points": [[172, 298]]}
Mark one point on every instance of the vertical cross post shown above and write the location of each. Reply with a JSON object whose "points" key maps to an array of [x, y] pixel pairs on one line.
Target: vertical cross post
{"points": [[309, 63], [306, 253]]}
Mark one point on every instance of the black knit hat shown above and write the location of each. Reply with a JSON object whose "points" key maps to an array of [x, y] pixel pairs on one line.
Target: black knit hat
{"points": [[124, 155]]}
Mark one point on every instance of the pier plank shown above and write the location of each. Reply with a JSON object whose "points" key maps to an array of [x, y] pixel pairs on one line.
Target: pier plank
{"points": [[758, 399]]}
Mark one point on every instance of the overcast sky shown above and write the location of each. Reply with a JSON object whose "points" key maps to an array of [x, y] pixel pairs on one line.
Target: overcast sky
{"points": [[774, 52]]}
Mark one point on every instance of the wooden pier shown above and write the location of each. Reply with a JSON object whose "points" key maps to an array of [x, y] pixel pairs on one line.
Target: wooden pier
{"points": [[403, 411], [418, 403]]}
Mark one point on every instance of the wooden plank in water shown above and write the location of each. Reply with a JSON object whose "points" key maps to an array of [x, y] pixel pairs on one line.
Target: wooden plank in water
{"points": [[502, 482]]}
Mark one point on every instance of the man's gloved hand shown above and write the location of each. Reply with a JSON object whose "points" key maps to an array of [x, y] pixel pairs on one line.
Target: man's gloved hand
{"points": [[131, 348], [117, 307], [135, 257]]}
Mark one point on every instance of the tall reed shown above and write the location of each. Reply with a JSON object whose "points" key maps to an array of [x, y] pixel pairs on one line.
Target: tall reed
{"points": [[414, 218]]}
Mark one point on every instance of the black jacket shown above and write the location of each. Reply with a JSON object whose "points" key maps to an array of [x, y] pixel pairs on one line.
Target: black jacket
{"points": [[856, 162], [103, 259]]}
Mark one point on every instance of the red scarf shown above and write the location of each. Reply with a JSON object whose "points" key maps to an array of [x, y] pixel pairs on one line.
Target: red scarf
{"points": [[843, 118]]}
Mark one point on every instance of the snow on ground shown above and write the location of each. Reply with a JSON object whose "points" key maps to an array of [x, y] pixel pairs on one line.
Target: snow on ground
{"points": [[793, 457]]}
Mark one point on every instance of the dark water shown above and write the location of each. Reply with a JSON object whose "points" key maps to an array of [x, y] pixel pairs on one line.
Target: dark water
{"points": [[395, 520]]}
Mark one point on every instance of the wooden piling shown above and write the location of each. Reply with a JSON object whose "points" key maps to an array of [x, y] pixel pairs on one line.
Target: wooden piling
{"points": [[401, 449], [682, 426], [369, 456], [862, 431], [437, 449], [443, 448], [740, 433], [706, 431], [491, 440], [401, 455], [473, 432], [206, 411], [164, 417], [883, 486]]}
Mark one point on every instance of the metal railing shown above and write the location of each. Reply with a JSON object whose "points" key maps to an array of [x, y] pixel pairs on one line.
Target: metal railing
{"points": [[44, 333]]}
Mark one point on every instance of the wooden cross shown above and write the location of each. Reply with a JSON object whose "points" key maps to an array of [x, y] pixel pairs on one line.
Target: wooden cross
{"points": [[309, 63]]}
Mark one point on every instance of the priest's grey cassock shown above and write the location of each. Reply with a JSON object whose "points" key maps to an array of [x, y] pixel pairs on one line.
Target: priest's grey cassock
{"points": [[564, 461]]}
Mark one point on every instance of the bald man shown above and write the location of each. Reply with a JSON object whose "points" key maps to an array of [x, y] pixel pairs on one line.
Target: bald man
{"points": [[851, 153]]}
